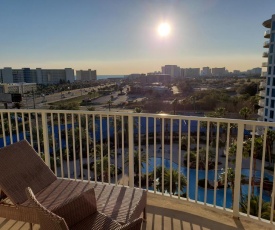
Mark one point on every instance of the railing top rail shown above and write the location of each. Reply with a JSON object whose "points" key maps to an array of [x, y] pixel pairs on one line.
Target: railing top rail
{"points": [[149, 115]]}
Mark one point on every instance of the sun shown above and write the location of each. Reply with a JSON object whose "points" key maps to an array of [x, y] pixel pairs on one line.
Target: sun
{"points": [[164, 29]]}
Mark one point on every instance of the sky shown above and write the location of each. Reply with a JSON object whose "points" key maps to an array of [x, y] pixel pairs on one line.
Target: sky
{"points": [[120, 36]]}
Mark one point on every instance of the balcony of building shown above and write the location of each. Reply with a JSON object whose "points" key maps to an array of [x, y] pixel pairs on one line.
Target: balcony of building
{"points": [[264, 64], [199, 172], [263, 74], [262, 85], [267, 34], [267, 23], [262, 93], [261, 112], [266, 44], [261, 102], [265, 54]]}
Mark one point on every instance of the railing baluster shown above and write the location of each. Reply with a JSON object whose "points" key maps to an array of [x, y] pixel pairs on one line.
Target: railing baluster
{"points": [[16, 126], [109, 156], [74, 154], [30, 128], [147, 153], [24, 125], [88, 148], [188, 157], [37, 134], [262, 174], [3, 129], [179, 162], [116, 146], [162, 154], [155, 160], [67, 145], [208, 130], [226, 165], [53, 144], [250, 171], [80, 147], [122, 147], [131, 150], [10, 127], [139, 152], [216, 162], [171, 156], [238, 168], [197, 160], [46, 138], [95, 157], [101, 149], [60, 146]]}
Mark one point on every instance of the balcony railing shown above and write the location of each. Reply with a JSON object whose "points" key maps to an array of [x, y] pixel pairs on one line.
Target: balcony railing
{"points": [[265, 54], [266, 44], [261, 112], [263, 84], [214, 162], [262, 93], [261, 103], [264, 64], [263, 74], [267, 34]]}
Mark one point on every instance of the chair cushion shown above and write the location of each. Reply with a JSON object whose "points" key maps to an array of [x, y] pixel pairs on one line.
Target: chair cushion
{"points": [[21, 167]]}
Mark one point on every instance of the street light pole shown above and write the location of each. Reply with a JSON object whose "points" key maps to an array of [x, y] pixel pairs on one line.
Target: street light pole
{"points": [[33, 98]]}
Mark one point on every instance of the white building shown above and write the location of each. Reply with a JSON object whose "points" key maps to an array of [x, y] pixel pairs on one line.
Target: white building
{"points": [[86, 75], [268, 94], [191, 72], [172, 70], [38, 75], [219, 72], [206, 72]]}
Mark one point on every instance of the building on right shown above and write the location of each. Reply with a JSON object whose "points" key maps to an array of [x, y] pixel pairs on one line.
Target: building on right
{"points": [[267, 93]]}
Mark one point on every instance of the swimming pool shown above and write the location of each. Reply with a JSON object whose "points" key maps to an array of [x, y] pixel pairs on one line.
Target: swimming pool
{"points": [[211, 176]]}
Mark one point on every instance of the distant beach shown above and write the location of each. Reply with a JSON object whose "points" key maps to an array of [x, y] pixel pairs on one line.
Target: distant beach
{"points": [[109, 76]]}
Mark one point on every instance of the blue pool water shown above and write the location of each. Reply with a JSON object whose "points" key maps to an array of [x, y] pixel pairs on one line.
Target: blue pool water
{"points": [[211, 176]]}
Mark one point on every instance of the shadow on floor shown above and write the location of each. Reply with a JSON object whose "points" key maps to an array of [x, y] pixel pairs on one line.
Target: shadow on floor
{"points": [[159, 218]]}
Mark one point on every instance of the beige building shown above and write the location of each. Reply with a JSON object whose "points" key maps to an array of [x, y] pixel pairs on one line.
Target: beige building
{"points": [[17, 87], [86, 75]]}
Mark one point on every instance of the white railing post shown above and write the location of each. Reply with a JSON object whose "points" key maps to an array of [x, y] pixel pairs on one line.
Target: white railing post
{"points": [[131, 150], [238, 170], [46, 138]]}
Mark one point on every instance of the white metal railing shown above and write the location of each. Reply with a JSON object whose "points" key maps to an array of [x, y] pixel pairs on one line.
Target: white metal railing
{"points": [[266, 44], [267, 34], [265, 54], [223, 164]]}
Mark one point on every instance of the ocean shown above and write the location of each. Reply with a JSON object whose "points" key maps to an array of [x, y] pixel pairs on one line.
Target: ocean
{"points": [[109, 76]]}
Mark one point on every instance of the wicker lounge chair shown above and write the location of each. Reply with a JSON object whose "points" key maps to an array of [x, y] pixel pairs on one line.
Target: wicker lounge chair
{"points": [[21, 167], [90, 218]]}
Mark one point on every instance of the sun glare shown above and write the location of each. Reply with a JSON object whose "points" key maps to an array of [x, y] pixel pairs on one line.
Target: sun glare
{"points": [[164, 29]]}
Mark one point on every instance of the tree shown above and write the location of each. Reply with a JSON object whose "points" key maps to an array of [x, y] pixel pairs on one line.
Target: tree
{"points": [[174, 103], [269, 143], [254, 206], [175, 176], [109, 104], [245, 113], [138, 110], [137, 162]]}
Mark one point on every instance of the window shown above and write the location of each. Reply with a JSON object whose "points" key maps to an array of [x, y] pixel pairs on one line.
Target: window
{"points": [[272, 104], [266, 112], [267, 91], [274, 70], [272, 37], [270, 59], [271, 49], [273, 82], [268, 81], [273, 25], [266, 102], [273, 93], [271, 115], [269, 70]]}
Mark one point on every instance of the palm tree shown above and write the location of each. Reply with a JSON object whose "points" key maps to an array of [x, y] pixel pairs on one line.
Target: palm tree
{"points": [[254, 206], [137, 162], [137, 110], [269, 143], [109, 104], [174, 103], [245, 112], [175, 176], [105, 163]]}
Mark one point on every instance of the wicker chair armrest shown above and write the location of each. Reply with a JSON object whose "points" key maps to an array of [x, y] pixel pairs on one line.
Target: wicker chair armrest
{"points": [[134, 225]]}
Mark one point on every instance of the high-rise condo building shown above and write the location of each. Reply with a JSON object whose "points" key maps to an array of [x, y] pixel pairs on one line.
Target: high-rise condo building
{"points": [[86, 75], [268, 94], [172, 70]]}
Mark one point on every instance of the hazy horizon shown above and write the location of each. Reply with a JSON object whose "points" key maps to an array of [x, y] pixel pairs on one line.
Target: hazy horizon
{"points": [[120, 37]]}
